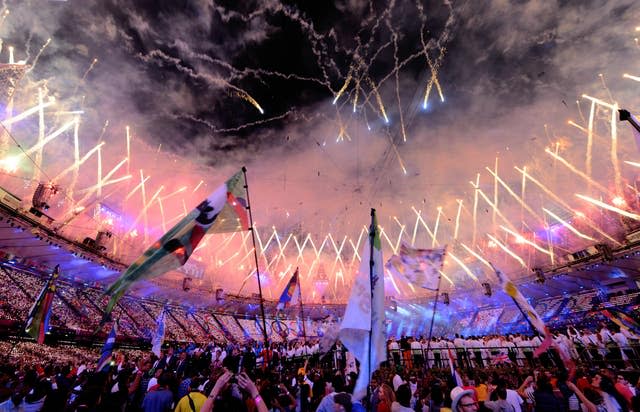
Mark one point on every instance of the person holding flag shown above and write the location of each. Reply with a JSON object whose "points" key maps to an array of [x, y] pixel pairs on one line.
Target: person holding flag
{"points": [[105, 355]]}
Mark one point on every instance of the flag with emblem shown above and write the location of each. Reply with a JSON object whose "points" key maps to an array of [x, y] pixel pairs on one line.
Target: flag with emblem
{"points": [[225, 210], [421, 267]]}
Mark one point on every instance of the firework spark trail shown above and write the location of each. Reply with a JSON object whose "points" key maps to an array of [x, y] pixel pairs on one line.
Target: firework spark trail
{"points": [[3, 16], [378, 100], [576, 171], [197, 186], [76, 158], [159, 56], [508, 251], [139, 186], [515, 196], [580, 111], [91, 66], [463, 266], [617, 175], [41, 136], [99, 173], [395, 149], [564, 204], [344, 86], [476, 255], [494, 207], [145, 208], [522, 239], [79, 163], [35, 59], [96, 187], [607, 206], [234, 129], [592, 112], [397, 78], [49, 138], [634, 78], [27, 113], [455, 231], [128, 142], [495, 194], [604, 85], [567, 224], [436, 226], [475, 208]]}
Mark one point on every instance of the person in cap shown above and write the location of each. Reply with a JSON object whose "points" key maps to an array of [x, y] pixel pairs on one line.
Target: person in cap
{"points": [[462, 400]]}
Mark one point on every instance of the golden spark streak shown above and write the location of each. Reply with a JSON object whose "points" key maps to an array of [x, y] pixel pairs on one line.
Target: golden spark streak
{"points": [[446, 277], [79, 163], [634, 78], [567, 224], [592, 113], [609, 207], [135, 189], [576, 171], [435, 228], [564, 204], [50, 137], [509, 252], [486, 199], [455, 231], [182, 189], [27, 113], [475, 208], [476, 255], [521, 238], [614, 151], [344, 87], [598, 101], [463, 266], [379, 100], [515, 196]]}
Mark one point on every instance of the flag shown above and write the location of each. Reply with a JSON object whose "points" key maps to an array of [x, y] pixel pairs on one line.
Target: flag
{"points": [[420, 266], [107, 349], [328, 339], [290, 294], [158, 337], [40, 312], [362, 328], [225, 210], [510, 289], [455, 376], [623, 320], [635, 125]]}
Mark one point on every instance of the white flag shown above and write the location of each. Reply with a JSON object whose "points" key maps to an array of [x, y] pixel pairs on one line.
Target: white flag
{"points": [[362, 328], [421, 267], [158, 337]]}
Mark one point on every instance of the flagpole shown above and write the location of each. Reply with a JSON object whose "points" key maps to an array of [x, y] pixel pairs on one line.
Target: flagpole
{"points": [[372, 236], [304, 328], [255, 255], [435, 304]]}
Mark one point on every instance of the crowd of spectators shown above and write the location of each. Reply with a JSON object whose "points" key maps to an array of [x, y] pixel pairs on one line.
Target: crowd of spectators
{"points": [[293, 376]]}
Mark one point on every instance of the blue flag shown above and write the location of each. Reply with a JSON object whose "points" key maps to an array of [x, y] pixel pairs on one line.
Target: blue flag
{"points": [[107, 350]]}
